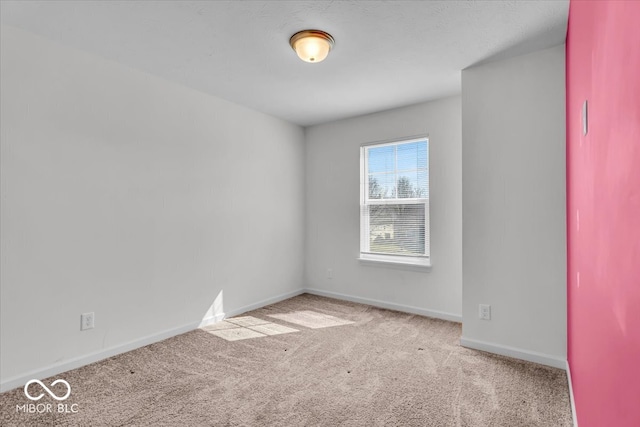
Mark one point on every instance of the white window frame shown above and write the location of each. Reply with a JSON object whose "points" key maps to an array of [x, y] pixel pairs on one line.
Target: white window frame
{"points": [[366, 255]]}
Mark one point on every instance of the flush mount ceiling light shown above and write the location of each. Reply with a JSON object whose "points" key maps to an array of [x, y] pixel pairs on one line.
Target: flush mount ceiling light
{"points": [[311, 45]]}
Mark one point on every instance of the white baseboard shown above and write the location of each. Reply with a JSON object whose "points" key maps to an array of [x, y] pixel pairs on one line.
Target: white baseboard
{"points": [[517, 353], [264, 302], [388, 305], [574, 415], [20, 380], [80, 361]]}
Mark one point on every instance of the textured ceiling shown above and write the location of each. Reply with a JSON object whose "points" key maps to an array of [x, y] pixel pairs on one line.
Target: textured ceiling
{"points": [[387, 53]]}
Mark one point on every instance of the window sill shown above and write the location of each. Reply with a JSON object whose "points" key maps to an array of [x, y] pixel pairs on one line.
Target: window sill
{"points": [[420, 264]]}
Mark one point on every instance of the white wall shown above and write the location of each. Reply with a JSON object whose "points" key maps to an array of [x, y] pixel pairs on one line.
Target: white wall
{"points": [[134, 198], [332, 203], [514, 241]]}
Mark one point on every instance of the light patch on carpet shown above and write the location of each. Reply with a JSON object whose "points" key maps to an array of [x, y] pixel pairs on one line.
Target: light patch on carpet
{"points": [[236, 334], [245, 327], [311, 319], [272, 329], [246, 321], [223, 324]]}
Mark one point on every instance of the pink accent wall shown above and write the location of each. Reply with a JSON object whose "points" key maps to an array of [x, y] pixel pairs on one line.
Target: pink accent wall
{"points": [[603, 184]]}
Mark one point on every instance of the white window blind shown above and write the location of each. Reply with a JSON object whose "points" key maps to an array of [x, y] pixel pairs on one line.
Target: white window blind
{"points": [[394, 201]]}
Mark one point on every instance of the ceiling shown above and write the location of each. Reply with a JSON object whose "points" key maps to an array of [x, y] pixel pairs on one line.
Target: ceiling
{"points": [[387, 53]]}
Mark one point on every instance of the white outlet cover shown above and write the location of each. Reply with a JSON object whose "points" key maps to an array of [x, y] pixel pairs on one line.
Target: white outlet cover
{"points": [[86, 321], [484, 312]]}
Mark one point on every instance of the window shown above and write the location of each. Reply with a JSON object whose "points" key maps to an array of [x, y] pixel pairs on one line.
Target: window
{"points": [[394, 202]]}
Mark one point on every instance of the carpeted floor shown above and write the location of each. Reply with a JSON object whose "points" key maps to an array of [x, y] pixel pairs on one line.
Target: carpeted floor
{"points": [[307, 361]]}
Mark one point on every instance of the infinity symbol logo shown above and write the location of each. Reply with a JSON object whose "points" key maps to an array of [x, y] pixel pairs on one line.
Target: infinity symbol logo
{"points": [[52, 394]]}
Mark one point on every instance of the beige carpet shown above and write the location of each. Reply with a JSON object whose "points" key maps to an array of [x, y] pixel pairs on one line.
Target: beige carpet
{"points": [[307, 361]]}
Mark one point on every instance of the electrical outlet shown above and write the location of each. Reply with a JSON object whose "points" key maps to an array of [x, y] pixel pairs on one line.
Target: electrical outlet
{"points": [[86, 321], [485, 312], [329, 273]]}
